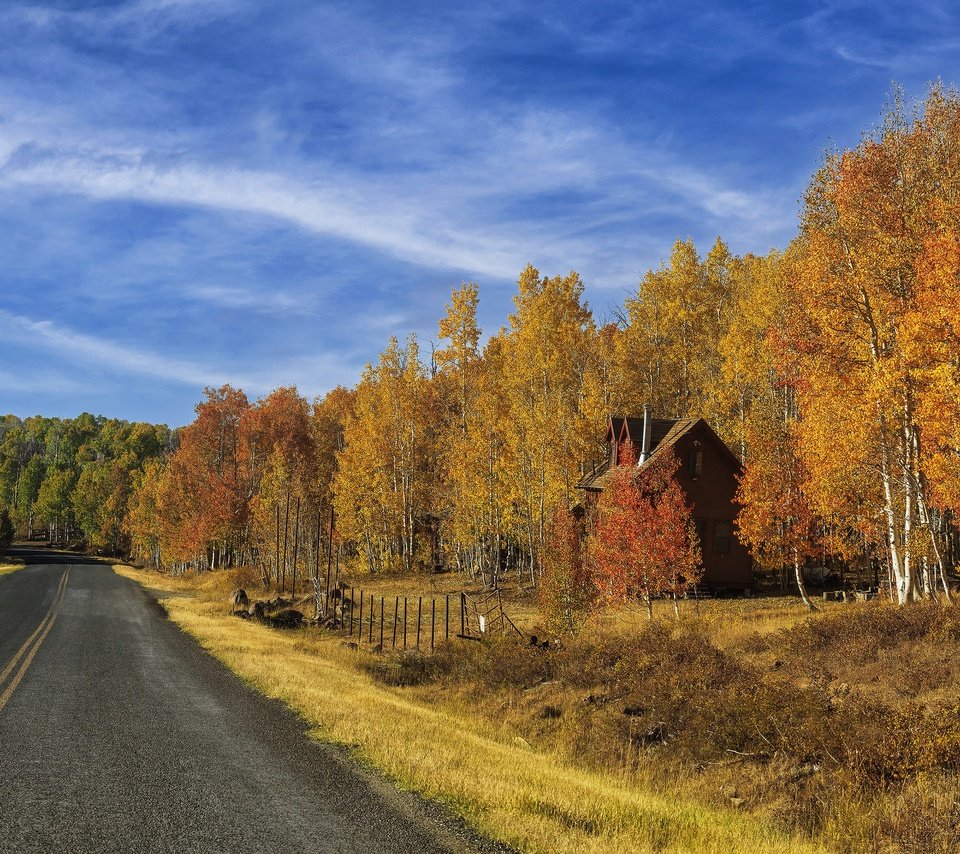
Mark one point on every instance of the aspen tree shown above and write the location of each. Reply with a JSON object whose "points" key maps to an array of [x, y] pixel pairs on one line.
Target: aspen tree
{"points": [[328, 419], [871, 218], [459, 359], [676, 320], [277, 460], [204, 502], [143, 522], [468, 440], [748, 370], [777, 521], [547, 354], [384, 485]]}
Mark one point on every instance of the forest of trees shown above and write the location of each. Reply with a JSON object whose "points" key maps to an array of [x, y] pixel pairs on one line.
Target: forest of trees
{"points": [[72, 479], [460, 461], [832, 368]]}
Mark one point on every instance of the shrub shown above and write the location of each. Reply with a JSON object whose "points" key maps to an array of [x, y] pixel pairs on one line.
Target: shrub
{"points": [[566, 589]]}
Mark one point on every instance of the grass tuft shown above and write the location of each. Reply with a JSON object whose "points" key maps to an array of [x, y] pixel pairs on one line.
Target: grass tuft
{"points": [[11, 565]]}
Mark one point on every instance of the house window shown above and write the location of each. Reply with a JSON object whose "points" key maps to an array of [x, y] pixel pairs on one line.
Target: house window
{"points": [[721, 537], [695, 462]]}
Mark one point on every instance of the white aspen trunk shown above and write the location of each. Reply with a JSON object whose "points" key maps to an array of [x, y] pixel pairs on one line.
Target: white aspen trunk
{"points": [[497, 545], [530, 546], [891, 582], [800, 585], [369, 547], [938, 566], [946, 587], [494, 558], [930, 591], [909, 576], [542, 508], [890, 516], [743, 427], [923, 511]]}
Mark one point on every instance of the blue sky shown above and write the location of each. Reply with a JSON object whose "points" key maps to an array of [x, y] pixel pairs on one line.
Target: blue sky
{"points": [[195, 192]]}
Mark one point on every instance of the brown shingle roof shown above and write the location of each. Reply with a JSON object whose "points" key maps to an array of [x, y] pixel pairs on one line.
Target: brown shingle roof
{"points": [[591, 480], [664, 433]]}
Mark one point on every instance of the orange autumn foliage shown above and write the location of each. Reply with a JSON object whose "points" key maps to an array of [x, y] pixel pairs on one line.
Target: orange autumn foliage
{"points": [[644, 544]]}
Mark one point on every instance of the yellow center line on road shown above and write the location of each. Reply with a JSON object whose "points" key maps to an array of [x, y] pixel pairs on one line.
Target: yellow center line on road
{"points": [[36, 639]]}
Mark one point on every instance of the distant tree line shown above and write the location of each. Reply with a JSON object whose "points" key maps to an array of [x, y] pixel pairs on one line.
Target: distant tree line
{"points": [[73, 478]]}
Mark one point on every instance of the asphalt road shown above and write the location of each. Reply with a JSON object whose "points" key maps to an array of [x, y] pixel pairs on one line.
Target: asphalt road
{"points": [[119, 733]]}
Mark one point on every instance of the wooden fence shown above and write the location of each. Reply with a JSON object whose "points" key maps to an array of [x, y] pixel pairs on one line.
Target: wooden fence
{"points": [[405, 622]]}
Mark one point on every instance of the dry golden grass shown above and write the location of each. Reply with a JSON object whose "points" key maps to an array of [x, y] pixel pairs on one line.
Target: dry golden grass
{"points": [[10, 565], [729, 621], [839, 724], [528, 798]]}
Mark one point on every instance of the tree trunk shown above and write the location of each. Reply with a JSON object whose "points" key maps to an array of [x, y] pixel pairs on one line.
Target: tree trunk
{"points": [[800, 585], [890, 514]]}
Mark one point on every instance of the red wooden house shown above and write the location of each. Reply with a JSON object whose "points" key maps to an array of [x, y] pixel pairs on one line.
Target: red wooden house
{"points": [[708, 475]]}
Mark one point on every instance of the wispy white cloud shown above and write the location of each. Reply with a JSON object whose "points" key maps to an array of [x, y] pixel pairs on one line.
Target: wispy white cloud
{"points": [[313, 374], [341, 211], [859, 58], [261, 302], [422, 189], [139, 17], [451, 218], [900, 37], [50, 382], [97, 352]]}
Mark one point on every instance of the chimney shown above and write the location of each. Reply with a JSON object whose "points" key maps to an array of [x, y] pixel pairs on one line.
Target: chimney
{"points": [[645, 446]]}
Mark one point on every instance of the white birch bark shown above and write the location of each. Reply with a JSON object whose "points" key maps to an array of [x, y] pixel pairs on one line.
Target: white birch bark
{"points": [[798, 572]]}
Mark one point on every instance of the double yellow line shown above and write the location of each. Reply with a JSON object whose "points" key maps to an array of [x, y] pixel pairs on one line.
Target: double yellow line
{"points": [[30, 646]]}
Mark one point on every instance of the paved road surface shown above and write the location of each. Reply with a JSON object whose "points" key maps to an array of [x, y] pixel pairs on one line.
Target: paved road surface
{"points": [[118, 733]]}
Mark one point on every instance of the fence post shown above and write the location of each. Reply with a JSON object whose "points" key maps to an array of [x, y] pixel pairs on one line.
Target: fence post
{"points": [[360, 621], [381, 624], [433, 620], [419, 615], [372, 609], [296, 548], [446, 631], [351, 613], [396, 612], [404, 622], [329, 549], [463, 613]]}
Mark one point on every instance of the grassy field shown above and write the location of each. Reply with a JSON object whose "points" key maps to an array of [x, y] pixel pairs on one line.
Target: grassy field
{"points": [[435, 738], [729, 620]]}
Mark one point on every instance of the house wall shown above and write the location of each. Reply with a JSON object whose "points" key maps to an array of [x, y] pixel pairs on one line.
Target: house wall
{"points": [[712, 494]]}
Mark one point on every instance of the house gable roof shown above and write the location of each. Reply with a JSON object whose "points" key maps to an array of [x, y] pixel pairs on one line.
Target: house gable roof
{"points": [[664, 435]]}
